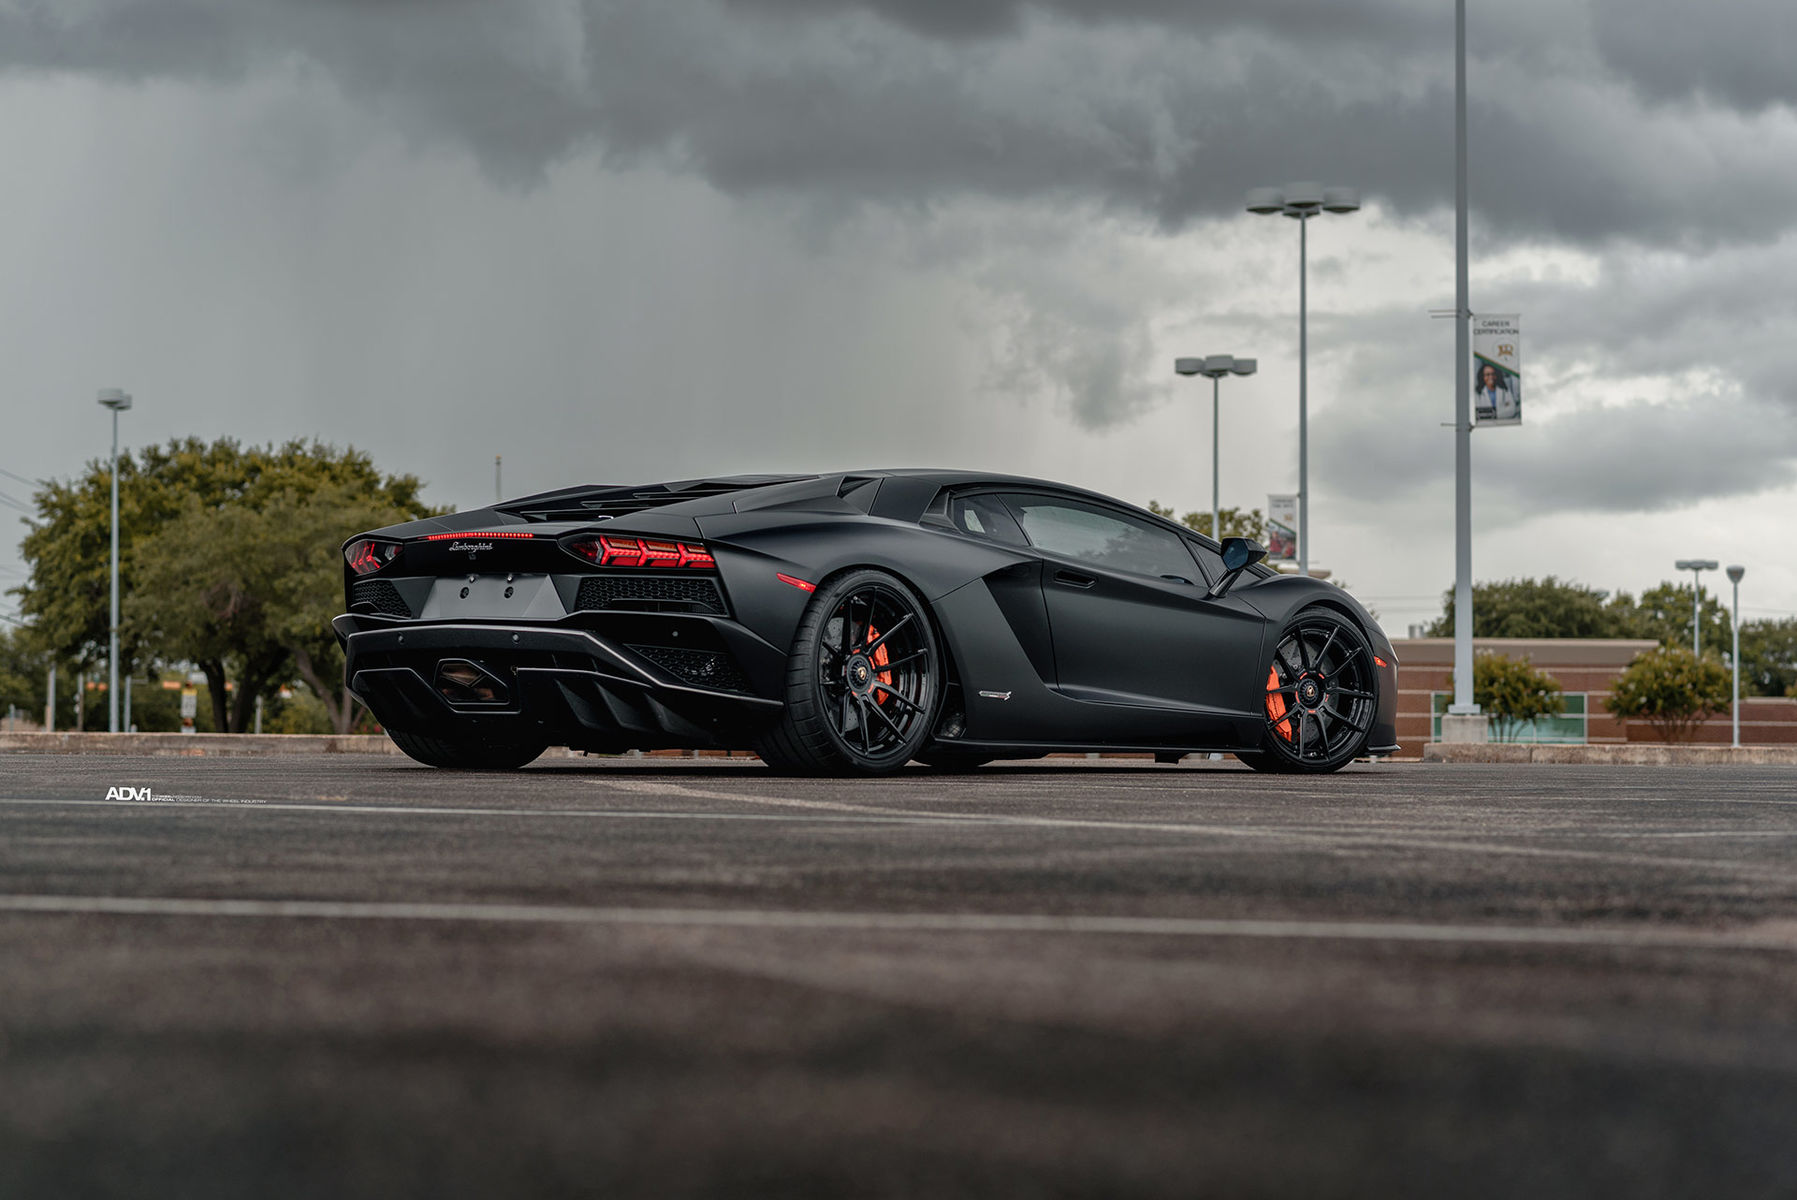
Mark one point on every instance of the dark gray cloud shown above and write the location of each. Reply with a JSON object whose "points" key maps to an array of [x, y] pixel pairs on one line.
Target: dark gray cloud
{"points": [[1151, 107], [1670, 151], [1739, 53], [1662, 380], [1394, 24]]}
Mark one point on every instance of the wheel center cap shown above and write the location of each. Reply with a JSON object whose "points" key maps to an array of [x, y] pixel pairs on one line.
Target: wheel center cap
{"points": [[860, 673], [1309, 692]]}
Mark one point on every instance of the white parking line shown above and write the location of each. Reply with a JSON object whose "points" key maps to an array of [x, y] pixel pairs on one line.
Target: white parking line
{"points": [[431, 810], [902, 922], [837, 812]]}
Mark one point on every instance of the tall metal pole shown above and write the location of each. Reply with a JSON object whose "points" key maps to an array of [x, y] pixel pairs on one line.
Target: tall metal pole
{"points": [[50, 703], [498, 495], [1216, 530], [1734, 574], [1696, 615], [112, 648], [1463, 426], [1303, 395]]}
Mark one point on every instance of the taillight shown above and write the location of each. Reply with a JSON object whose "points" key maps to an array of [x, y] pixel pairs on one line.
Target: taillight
{"points": [[613, 551], [366, 556]]}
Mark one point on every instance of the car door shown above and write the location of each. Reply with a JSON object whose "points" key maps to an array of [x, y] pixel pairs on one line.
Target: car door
{"points": [[1132, 626]]}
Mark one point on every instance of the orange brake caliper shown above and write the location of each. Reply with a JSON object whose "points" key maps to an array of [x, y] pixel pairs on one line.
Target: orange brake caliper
{"points": [[880, 659], [1275, 705]]}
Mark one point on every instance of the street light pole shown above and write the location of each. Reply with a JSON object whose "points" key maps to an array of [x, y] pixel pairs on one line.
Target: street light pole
{"points": [[1464, 705], [1734, 577], [118, 402], [1696, 566], [1214, 366], [1302, 201]]}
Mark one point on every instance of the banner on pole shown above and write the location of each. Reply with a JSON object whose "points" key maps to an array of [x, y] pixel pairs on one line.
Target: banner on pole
{"points": [[1497, 370], [1282, 528]]}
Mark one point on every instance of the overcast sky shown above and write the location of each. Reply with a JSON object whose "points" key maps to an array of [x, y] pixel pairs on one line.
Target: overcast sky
{"points": [[633, 240]]}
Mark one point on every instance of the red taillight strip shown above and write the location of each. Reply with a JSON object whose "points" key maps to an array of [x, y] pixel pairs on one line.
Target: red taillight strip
{"points": [[613, 551], [1380, 661], [474, 533], [801, 584]]}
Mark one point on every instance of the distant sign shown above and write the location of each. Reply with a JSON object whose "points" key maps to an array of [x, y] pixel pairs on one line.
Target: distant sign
{"points": [[1497, 370], [1282, 528]]}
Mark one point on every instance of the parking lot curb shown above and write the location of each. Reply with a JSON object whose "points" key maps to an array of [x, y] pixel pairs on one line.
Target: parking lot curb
{"points": [[195, 745], [1632, 754]]}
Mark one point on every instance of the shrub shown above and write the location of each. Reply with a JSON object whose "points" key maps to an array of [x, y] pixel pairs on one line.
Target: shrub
{"points": [[1672, 690], [1511, 693]]}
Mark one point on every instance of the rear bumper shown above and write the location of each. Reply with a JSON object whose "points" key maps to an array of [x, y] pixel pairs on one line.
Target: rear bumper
{"points": [[567, 686]]}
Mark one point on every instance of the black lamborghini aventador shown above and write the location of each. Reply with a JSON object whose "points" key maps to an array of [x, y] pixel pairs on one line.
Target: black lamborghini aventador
{"points": [[842, 624]]}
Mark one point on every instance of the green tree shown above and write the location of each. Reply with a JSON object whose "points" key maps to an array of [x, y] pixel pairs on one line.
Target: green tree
{"points": [[1235, 522], [1537, 608], [24, 671], [67, 548], [306, 533], [1556, 608], [1769, 657], [1512, 693], [1672, 690], [1664, 614], [247, 593]]}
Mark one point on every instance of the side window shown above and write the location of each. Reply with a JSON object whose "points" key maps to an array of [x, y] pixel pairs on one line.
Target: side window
{"points": [[1101, 538], [985, 516]]}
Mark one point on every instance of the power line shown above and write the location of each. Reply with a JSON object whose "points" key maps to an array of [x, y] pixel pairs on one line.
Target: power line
{"points": [[22, 478]]}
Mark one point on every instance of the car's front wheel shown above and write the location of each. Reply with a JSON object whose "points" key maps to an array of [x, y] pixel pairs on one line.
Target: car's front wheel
{"points": [[864, 680], [1321, 696]]}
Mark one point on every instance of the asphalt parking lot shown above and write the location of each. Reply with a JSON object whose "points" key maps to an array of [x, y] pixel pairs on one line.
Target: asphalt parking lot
{"points": [[340, 976]]}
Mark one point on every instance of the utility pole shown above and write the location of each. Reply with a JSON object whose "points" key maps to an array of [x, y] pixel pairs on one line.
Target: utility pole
{"points": [[1734, 577], [498, 494], [1462, 723], [118, 402]]}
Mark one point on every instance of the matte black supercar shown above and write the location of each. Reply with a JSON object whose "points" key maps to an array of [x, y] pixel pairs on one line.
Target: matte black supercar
{"points": [[850, 624]]}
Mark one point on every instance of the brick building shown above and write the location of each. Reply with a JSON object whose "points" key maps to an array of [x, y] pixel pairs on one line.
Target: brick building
{"points": [[1585, 669]]}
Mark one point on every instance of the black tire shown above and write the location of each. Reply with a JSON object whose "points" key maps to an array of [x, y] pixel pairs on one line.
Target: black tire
{"points": [[1322, 694], [467, 754], [863, 681], [953, 760]]}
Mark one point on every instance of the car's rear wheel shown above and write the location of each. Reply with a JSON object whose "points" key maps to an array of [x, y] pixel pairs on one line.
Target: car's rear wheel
{"points": [[1321, 696], [468, 754], [864, 681]]}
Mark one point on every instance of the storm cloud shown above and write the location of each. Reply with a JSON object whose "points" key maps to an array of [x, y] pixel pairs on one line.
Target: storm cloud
{"points": [[781, 221], [1148, 106]]}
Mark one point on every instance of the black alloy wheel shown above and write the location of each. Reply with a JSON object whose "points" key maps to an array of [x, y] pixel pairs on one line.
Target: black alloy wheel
{"points": [[863, 681], [1321, 696]]}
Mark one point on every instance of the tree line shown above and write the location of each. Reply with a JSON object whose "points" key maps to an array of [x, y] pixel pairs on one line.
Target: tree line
{"points": [[1556, 608], [229, 563]]}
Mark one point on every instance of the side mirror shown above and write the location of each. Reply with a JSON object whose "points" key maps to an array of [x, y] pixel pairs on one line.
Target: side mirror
{"points": [[1238, 555]]}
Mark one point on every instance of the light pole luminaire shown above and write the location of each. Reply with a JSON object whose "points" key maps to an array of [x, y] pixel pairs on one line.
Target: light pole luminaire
{"points": [[1697, 566], [1301, 202], [1214, 367], [1734, 577], [118, 402]]}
